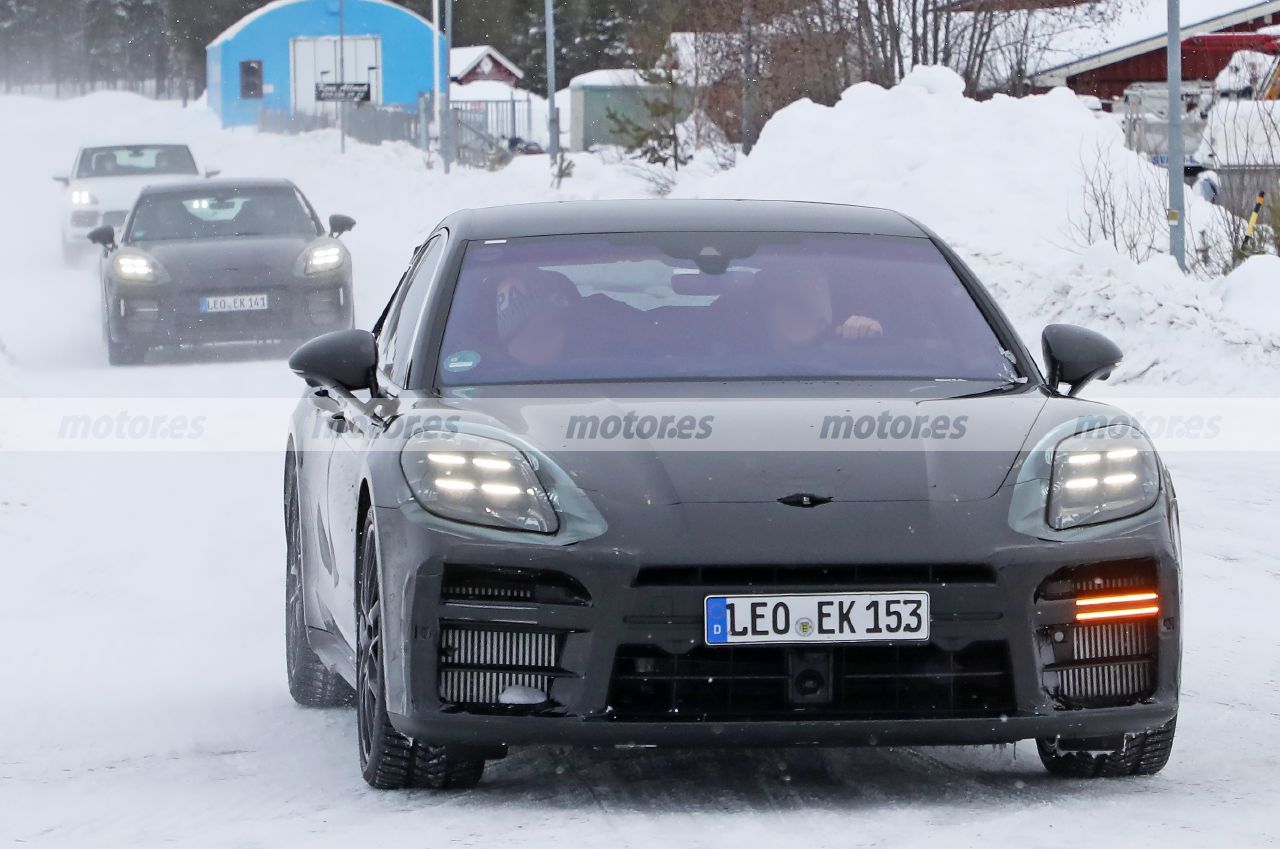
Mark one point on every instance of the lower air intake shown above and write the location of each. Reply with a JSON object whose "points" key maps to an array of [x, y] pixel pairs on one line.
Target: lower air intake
{"points": [[478, 664], [1104, 664]]}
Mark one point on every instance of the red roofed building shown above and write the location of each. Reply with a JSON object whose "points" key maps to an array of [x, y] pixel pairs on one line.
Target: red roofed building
{"points": [[482, 62], [1207, 48]]}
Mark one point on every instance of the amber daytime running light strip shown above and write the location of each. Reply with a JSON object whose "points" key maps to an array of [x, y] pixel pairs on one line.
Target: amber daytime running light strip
{"points": [[1117, 606]]}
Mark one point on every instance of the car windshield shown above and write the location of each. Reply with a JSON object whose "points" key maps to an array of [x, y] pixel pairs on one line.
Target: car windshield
{"points": [[138, 160], [750, 306], [220, 214]]}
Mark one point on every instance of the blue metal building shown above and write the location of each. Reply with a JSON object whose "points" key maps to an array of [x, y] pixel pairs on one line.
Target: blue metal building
{"points": [[272, 58]]}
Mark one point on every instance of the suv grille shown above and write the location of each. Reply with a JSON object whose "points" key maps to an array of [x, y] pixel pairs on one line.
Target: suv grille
{"points": [[759, 683]]}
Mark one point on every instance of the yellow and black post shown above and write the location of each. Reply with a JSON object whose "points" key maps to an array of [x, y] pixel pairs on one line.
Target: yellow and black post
{"points": [[1253, 219]]}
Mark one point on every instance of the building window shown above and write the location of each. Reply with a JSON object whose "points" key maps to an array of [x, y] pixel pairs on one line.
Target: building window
{"points": [[251, 79]]}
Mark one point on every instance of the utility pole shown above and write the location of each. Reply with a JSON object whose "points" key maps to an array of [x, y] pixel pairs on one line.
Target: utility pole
{"points": [[342, 73], [446, 113], [1177, 157], [747, 128], [553, 114], [438, 72]]}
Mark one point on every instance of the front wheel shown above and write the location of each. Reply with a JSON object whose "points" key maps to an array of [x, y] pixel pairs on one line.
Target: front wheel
{"points": [[1145, 753], [388, 759]]}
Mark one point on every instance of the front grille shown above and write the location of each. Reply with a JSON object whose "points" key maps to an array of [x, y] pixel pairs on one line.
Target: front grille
{"points": [[743, 683], [832, 577], [1102, 665], [478, 663], [84, 217], [114, 217]]}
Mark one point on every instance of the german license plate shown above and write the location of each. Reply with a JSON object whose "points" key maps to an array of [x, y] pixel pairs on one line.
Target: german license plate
{"points": [[234, 303], [816, 618]]}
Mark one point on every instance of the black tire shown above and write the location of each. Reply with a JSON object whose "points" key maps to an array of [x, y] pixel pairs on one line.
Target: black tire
{"points": [[388, 759], [311, 683], [123, 354], [1145, 753]]}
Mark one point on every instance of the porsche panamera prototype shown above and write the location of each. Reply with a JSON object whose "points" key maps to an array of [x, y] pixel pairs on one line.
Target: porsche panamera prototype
{"points": [[221, 261], [721, 473]]}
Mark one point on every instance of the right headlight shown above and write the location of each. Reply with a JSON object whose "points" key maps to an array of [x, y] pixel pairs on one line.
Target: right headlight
{"points": [[1102, 475], [477, 480]]}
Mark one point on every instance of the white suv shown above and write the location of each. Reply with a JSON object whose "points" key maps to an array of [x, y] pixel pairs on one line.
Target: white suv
{"points": [[105, 181]]}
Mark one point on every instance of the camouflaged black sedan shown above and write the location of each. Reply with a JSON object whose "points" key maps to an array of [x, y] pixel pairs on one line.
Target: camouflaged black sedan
{"points": [[720, 473], [221, 261]]}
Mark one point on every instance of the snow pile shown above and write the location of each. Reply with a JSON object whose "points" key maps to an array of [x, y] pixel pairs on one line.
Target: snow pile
{"points": [[1004, 181], [1251, 294], [1242, 132], [1006, 174], [1247, 71]]}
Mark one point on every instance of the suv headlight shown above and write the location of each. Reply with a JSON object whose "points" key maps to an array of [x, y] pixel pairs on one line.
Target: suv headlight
{"points": [[82, 197], [323, 258], [134, 267], [1101, 475], [477, 480]]}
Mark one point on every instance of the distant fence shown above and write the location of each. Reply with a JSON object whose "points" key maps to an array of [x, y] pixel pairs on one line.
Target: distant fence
{"points": [[175, 88], [369, 124]]}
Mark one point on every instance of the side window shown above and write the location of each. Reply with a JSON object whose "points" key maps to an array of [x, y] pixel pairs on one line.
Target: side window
{"points": [[395, 345]]}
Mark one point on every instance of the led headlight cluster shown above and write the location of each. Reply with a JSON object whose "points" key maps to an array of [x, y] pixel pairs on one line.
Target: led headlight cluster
{"points": [[323, 258], [81, 197], [134, 267], [1101, 475], [477, 480]]}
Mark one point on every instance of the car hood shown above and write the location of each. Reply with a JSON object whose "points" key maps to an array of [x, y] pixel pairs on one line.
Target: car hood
{"points": [[762, 450], [120, 193], [256, 256]]}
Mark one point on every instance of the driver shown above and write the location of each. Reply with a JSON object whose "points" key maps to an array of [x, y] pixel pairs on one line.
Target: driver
{"points": [[533, 315], [800, 314]]}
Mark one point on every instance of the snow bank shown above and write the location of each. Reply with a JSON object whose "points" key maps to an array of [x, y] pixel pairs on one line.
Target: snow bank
{"points": [[1006, 174], [1004, 181], [1248, 69], [1251, 294]]}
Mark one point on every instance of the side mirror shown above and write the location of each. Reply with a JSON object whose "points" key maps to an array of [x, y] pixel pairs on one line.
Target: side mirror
{"points": [[339, 224], [104, 235], [1075, 356], [62, 178], [210, 173], [345, 358]]}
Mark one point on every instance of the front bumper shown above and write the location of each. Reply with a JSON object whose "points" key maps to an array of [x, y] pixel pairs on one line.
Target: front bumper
{"points": [[626, 664], [169, 314]]}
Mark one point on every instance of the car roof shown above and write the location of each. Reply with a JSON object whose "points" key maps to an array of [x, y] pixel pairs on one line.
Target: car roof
{"points": [[664, 214], [112, 144], [215, 185]]}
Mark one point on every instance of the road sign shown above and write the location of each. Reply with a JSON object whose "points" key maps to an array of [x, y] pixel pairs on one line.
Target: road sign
{"points": [[343, 92]]}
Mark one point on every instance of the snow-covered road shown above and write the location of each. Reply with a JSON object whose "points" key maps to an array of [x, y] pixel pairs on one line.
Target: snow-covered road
{"points": [[144, 701]]}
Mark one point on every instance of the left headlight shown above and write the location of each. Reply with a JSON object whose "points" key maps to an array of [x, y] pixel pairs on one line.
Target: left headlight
{"points": [[323, 258], [82, 197], [477, 480], [1102, 475], [134, 267]]}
